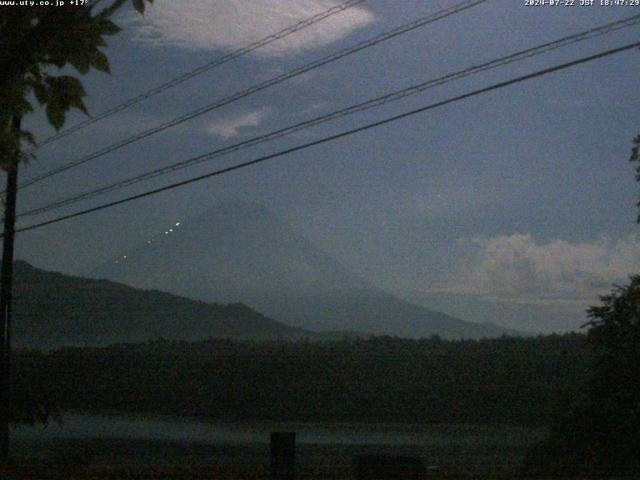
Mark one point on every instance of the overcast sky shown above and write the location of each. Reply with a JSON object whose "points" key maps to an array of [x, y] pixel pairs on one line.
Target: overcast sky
{"points": [[523, 197]]}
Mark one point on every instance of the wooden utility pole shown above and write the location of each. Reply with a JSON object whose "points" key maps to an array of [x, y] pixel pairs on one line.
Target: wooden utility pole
{"points": [[6, 282]]}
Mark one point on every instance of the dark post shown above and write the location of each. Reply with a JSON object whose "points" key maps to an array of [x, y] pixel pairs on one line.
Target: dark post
{"points": [[5, 302], [283, 455]]}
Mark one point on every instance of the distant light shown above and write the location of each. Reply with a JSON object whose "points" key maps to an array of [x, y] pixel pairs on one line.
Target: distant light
{"points": [[171, 229], [124, 256], [148, 241], [166, 233], [177, 224]]}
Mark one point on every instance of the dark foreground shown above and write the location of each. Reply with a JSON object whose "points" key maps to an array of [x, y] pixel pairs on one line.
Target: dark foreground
{"points": [[41, 472], [147, 459]]}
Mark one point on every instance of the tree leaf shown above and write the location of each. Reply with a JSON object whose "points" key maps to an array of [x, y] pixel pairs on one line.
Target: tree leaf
{"points": [[70, 86], [41, 92], [55, 115], [104, 26], [100, 61], [81, 63], [24, 107], [78, 103], [139, 6]]}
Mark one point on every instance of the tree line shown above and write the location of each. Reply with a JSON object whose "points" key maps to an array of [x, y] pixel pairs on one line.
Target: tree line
{"points": [[381, 379]]}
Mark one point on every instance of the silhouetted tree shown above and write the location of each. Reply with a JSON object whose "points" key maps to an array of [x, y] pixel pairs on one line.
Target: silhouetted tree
{"points": [[635, 158], [614, 390], [599, 435], [36, 41]]}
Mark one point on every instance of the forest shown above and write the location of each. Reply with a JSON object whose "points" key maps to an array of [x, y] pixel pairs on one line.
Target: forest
{"points": [[509, 380]]}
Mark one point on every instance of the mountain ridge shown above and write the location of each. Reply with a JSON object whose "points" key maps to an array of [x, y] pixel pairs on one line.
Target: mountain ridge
{"points": [[241, 251], [53, 309]]}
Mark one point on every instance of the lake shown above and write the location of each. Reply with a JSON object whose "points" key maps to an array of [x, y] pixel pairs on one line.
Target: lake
{"points": [[137, 440]]}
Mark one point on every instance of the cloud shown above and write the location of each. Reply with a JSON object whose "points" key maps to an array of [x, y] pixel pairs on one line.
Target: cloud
{"points": [[232, 24], [232, 126], [518, 267]]}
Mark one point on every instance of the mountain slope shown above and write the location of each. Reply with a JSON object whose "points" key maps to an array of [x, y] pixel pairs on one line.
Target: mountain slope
{"points": [[373, 311], [242, 252], [52, 309]]}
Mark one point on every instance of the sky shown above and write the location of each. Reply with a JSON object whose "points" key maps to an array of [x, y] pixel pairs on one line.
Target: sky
{"points": [[516, 206]]}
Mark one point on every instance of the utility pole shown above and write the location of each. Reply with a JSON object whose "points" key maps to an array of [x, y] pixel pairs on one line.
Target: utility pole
{"points": [[6, 282]]}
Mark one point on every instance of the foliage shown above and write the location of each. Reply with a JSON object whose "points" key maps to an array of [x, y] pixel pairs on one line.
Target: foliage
{"points": [[635, 158], [36, 42], [598, 436], [615, 387], [382, 379]]}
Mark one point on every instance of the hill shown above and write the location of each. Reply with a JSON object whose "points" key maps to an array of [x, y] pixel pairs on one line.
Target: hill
{"points": [[52, 309], [243, 252]]}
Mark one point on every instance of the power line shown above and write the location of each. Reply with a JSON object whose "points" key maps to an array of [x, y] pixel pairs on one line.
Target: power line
{"points": [[349, 110], [307, 22], [394, 96], [259, 87], [346, 133]]}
